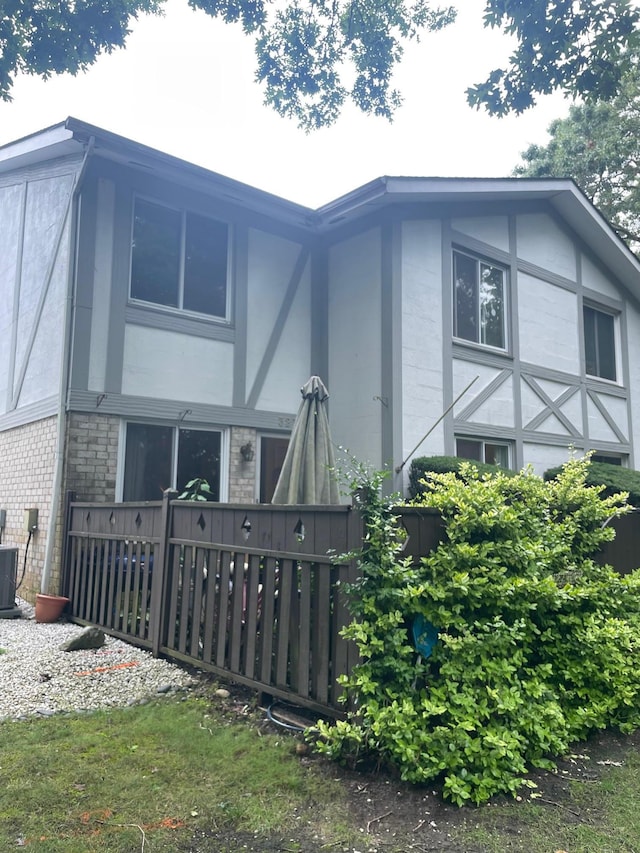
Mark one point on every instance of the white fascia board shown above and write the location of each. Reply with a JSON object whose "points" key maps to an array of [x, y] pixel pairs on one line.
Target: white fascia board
{"points": [[48, 144]]}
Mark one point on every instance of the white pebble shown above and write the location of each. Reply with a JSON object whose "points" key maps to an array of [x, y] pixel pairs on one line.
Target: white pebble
{"points": [[38, 678]]}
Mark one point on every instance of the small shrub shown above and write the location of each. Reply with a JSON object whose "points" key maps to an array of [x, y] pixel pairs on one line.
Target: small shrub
{"points": [[424, 466], [614, 478], [537, 644]]}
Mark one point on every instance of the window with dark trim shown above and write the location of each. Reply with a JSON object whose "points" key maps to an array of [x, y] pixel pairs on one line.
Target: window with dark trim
{"points": [[607, 458], [479, 297], [599, 343], [163, 457], [484, 450], [179, 259]]}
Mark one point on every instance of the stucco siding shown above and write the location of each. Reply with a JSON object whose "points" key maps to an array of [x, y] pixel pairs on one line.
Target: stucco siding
{"points": [[102, 284], [533, 406], [355, 345], [35, 225], [599, 427], [543, 243], [422, 357], [633, 343], [481, 405], [593, 278], [548, 325], [175, 366], [544, 456], [271, 267], [492, 230], [11, 199]]}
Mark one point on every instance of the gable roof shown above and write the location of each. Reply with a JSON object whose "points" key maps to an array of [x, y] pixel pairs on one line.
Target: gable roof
{"points": [[562, 195]]}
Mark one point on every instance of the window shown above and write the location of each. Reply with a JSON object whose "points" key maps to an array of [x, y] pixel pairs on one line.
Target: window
{"points": [[490, 452], [599, 343], [179, 259], [479, 301], [608, 458], [163, 457]]}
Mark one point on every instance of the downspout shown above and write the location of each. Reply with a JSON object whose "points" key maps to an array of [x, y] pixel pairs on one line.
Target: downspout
{"points": [[64, 373]]}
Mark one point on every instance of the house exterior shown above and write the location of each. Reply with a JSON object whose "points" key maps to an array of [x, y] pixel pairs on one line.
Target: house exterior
{"points": [[159, 319]]}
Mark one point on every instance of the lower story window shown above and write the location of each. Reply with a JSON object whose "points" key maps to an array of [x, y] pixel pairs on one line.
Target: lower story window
{"points": [[162, 457], [481, 450], [608, 458]]}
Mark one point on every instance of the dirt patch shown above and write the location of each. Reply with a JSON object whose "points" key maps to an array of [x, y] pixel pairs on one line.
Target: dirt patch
{"points": [[390, 816]]}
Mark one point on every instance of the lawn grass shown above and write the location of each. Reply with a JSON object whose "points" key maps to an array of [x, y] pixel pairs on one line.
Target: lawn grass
{"points": [[156, 773], [180, 774], [596, 815]]}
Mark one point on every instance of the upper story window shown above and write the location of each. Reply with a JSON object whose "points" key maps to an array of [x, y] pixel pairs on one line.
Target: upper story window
{"points": [[479, 301], [599, 343], [179, 259]]}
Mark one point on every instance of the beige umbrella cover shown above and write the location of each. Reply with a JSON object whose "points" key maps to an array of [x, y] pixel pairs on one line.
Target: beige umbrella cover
{"points": [[307, 475]]}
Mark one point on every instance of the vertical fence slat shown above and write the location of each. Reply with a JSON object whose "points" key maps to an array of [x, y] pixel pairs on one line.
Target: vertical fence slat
{"points": [[223, 611], [238, 598], [210, 604], [196, 610], [252, 622], [304, 635], [186, 574], [270, 583], [284, 613], [143, 624], [322, 623]]}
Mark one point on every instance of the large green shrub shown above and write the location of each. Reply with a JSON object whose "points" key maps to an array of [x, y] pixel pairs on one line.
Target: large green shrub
{"points": [[422, 467], [614, 478], [537, 644]]}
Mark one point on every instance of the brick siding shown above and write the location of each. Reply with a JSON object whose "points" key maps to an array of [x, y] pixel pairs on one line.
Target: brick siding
{"points": [[27, 464]]}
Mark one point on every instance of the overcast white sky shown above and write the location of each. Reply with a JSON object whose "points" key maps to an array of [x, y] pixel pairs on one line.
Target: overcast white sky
{"points": [[185, 85]]}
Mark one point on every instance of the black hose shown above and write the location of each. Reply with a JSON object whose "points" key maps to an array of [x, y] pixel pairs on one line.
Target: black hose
{"points": [[24, 562], [281, 723]]}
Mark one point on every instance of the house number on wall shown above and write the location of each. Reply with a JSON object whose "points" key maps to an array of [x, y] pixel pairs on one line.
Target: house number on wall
{"points": [[286, 423]]}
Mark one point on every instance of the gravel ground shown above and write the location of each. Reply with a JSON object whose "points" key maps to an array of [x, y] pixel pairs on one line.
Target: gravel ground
{"points": [[36, 677]]}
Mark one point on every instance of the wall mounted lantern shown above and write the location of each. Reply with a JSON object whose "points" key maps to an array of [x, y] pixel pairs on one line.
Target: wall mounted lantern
{"points": [[247, 452]]}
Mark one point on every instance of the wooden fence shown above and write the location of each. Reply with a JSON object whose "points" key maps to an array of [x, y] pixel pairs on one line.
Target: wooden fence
{"points": [[254, 592]]}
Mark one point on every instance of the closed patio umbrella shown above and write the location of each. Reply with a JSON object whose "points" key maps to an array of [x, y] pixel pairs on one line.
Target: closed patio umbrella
{"points": [[307, 475]]}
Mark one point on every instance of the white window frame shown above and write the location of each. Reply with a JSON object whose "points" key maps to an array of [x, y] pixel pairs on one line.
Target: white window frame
{"points": [[483, 440], [224, 452], [184, 212], [479, 259], [617, 353]]}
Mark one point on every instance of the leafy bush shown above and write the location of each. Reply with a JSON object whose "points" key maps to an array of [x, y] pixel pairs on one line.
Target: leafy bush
{"points": [[537, 644], [423, 466], [614, 478]]}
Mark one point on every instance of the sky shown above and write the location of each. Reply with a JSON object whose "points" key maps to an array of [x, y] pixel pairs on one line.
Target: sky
{"points": [[185, 84]]}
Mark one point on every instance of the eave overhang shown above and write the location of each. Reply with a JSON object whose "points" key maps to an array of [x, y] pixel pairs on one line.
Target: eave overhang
{"points": [[368, 202]]}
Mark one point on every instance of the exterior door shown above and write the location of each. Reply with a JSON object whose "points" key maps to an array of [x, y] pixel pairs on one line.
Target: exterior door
{"points": [[272, 452]]}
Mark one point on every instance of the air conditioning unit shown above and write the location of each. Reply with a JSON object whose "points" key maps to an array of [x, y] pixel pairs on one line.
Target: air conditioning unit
{"points": [[8, 575]]}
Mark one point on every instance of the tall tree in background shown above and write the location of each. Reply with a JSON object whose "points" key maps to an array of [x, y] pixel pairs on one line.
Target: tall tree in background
{"points": [[314, 55], [598, 145]]}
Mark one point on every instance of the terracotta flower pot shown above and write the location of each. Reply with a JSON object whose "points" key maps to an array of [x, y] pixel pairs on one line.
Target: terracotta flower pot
{"points": [[49, 607]]}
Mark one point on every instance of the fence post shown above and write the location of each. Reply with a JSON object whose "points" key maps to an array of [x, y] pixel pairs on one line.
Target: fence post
{"points": [[159, 575], [69, 496]]}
